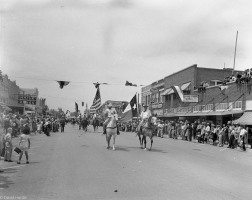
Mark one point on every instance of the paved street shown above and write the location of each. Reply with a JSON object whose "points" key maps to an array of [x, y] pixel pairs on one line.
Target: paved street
{"points": [[77, 165]]}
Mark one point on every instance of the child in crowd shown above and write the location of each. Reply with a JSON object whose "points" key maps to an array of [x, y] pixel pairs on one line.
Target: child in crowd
{"points": [[8, 145], [24, 144]]}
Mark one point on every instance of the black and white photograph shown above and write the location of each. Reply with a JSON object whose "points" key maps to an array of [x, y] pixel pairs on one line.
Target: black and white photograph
{"points": [[125, 99]]}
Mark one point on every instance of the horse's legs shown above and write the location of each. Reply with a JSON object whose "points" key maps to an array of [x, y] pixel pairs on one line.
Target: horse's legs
{"points": [[140, 140], [144, 138], [108, 137], [151, 142], [114, 137]]}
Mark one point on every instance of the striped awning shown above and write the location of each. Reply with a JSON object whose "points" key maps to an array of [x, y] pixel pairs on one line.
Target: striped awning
{"points": [[167, 92], [245, 119], [185, 86]]}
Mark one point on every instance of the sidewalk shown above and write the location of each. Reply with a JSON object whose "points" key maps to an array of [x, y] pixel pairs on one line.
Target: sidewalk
{"points": [[14, 157], [248, 146]]}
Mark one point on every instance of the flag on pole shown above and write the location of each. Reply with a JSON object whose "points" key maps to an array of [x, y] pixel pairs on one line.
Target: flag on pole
{"points": [[82, 103], [98, 84], [130, 111], [63, 83], [130, 84], [97, 101]]}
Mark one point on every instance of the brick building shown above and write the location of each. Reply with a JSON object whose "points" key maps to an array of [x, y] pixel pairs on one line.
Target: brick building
{"points": [[9, 91], [213, 104]]}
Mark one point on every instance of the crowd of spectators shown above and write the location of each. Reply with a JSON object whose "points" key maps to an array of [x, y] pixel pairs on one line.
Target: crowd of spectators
{"points": [[233, 135], [15, 125]]}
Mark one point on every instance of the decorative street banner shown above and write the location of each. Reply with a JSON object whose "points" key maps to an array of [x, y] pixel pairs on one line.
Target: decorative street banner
{"points": [[185, 98], [27, 99]]}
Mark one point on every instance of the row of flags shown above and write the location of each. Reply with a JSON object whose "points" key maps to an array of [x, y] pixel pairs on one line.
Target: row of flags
{"points": [[65, 83], [129, 112]]}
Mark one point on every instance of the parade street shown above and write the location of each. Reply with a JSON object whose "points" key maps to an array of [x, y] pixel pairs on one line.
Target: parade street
{"points": [[76, 165]]}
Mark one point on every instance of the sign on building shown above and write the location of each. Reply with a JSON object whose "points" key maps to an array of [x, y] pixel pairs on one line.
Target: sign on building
{"points": [[27, 99], [191, 98]]}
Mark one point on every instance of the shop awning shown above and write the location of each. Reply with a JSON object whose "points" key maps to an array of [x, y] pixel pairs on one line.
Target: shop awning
{"points": [[212, 113], [167, 92], [185, 86], [245, 119], [6, 107]]}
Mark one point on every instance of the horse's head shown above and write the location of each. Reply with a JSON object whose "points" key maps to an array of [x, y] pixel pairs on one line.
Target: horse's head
{"points": [[112, 122]]}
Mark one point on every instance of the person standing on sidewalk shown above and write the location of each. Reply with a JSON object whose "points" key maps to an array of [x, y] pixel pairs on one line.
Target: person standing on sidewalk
{"points": [[62, 125], [24, 144], [243, 135], [8, 145]]}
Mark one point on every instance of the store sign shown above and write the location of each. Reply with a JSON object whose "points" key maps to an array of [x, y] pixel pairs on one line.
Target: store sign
{"points": [[27, 99], [159, 105], [158, 112], [191, 98]]}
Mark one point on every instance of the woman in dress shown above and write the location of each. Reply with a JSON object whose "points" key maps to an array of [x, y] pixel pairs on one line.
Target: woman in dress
{"points": [[24, 144]]}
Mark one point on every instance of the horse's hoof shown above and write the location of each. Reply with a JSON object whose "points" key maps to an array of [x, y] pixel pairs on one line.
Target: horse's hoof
{"points": [[113, 148], [108, 147], [145, 149]]}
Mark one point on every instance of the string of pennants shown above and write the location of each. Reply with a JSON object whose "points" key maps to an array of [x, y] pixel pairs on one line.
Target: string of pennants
{"points": [[65, 83]]}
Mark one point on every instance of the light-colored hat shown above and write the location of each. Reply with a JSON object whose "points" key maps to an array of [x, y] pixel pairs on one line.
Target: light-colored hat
{"points": [[145, 105], [110, 105]]}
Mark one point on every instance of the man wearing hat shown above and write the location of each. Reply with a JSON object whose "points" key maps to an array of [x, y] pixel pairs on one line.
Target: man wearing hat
{"points": [[144, 116], [109, 112]]}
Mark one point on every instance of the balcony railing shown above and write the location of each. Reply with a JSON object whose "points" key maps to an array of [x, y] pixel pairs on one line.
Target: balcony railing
{"points": [[206, 108]]}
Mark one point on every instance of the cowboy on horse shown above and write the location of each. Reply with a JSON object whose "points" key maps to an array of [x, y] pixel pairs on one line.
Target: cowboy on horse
{"points": [[144, 116], [109, 113]]}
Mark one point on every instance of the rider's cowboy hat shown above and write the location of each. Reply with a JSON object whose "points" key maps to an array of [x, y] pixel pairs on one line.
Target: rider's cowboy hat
{"points": [[110, 105], [145, 105]]}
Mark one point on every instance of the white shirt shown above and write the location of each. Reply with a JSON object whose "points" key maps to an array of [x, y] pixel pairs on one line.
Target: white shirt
{"points": [[110, 112], [243, 132], [145, 114]]}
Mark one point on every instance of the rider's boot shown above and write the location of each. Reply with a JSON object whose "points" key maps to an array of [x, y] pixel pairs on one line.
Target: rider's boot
{"points": [[118, 133]]}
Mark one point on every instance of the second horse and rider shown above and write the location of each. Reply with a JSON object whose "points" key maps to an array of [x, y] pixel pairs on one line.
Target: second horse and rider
{"points": [[146, 127]]}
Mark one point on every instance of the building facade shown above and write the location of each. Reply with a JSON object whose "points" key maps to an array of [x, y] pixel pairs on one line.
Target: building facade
{"points": [[214, 103], [32, 92], [9, 92]]}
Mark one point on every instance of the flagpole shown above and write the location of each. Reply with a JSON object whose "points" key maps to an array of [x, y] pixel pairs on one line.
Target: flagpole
{"points": [[235, 52], [137, 105], [137, 97]]}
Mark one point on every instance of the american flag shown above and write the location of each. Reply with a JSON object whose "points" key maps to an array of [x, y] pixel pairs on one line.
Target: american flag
{"points": [[97, 101]]}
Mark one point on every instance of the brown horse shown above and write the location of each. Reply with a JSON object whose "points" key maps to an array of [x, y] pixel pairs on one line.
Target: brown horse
{"points": [[148, 130]]}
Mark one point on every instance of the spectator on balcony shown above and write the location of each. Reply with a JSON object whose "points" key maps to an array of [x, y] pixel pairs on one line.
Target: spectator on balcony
{"points": [[238, 78]]}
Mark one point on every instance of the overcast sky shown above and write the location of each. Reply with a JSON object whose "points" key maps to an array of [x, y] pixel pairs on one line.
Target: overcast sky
{"points": [[117, 40]]}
